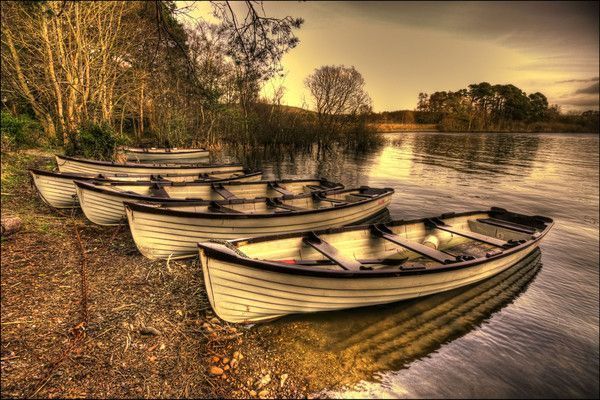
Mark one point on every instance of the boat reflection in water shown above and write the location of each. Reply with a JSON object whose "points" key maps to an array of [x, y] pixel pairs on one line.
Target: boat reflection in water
{"points": [[342, 348]]}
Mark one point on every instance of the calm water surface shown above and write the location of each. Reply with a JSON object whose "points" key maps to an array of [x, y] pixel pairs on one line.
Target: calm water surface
{"points": [[532, 331]]}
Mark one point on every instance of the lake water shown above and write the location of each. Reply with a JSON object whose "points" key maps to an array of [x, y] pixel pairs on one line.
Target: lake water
{"points": [[533, 331]]}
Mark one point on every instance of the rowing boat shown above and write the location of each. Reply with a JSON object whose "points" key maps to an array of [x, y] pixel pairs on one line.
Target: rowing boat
{"points": [[102, 202], [259, 279], [173, 231], [86, 166], [171, 155], [58, 190]]}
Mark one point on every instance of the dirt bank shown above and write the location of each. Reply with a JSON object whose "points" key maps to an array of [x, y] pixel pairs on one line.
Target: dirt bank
{"points": [[91, 317]]}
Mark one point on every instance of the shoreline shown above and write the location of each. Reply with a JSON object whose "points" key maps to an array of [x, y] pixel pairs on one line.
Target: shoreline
{"points": [[150, 331], [386, 127]]}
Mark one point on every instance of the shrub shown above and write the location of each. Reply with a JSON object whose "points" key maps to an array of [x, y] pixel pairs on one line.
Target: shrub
{"points": [[19, 131], [96, 141]]}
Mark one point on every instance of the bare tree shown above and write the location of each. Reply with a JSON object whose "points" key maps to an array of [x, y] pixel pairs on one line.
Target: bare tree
{"points": [[135, 66], [338, 93]]}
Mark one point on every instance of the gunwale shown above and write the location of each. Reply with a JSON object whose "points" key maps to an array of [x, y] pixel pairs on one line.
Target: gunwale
{"points": [[219, 252], [170, 208], [105, 187]]}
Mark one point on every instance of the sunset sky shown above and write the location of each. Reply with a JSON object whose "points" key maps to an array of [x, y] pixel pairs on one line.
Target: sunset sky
{"points": [[403, 48]]}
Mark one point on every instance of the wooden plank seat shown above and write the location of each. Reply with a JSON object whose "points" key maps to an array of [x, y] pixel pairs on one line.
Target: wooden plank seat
{"points": [[220, 208], [316, 187], [439, 224], [221, 191], [322, 197], [507, 225], [382, 231], [275, 203], [364, 261], [313, 240], [280, 189], [158, 191]]}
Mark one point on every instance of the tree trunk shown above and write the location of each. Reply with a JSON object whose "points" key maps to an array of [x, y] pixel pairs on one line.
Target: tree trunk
{"points": [[53, 77], [141, 127]]}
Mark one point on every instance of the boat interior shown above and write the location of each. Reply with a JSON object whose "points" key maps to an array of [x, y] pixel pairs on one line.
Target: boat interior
{"points": [[222, 190], [283, 205], [401, 245]]}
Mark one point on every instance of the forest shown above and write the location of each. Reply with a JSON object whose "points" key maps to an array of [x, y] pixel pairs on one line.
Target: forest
{"points": [[99, 74]]}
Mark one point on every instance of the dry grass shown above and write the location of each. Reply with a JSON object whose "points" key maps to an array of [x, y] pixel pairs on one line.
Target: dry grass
{"points": [[49, 350], [395, 127], [74, 312]]}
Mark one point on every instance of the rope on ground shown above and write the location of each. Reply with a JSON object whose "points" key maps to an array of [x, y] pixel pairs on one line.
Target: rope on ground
{"points": [[78, 332]]}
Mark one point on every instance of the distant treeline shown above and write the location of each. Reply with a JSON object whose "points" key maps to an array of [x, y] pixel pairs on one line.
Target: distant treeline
{"points": [[486, 107]]}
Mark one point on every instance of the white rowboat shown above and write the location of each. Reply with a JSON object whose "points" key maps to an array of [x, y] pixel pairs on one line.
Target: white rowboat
{"points": [[168, 231], [102, 202], [85, 166], [259, 279], [58, 190], [169, 155]]}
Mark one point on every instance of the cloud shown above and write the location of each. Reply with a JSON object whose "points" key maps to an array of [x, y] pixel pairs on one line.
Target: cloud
{"points": [[592, 89], [581, 101], [579, 80]]}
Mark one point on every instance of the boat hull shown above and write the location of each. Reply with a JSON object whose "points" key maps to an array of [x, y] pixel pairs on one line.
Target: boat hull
{"points": [[106, 207], [163, 236], [242, 294], [167, 157], [56, 191], [94, 167], [59, 191]]}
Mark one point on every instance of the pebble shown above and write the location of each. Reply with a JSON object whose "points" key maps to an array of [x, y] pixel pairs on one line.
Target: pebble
{"points": [[238, 355], [149, 330], [263, 394], [215, 371], [233, 363], [225, 360], [214, 320], [282, 379], [215, 359], [264, 381], [252, 393]]}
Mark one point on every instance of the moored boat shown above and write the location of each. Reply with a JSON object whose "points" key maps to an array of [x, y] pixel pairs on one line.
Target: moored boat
{"points": [[102, 202], [172, 231], [258, 279], [168, 155], [82, 165], [58, 190]]}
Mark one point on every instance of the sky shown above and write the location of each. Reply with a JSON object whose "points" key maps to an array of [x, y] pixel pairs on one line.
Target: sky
{"points": [[403, 48]]}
